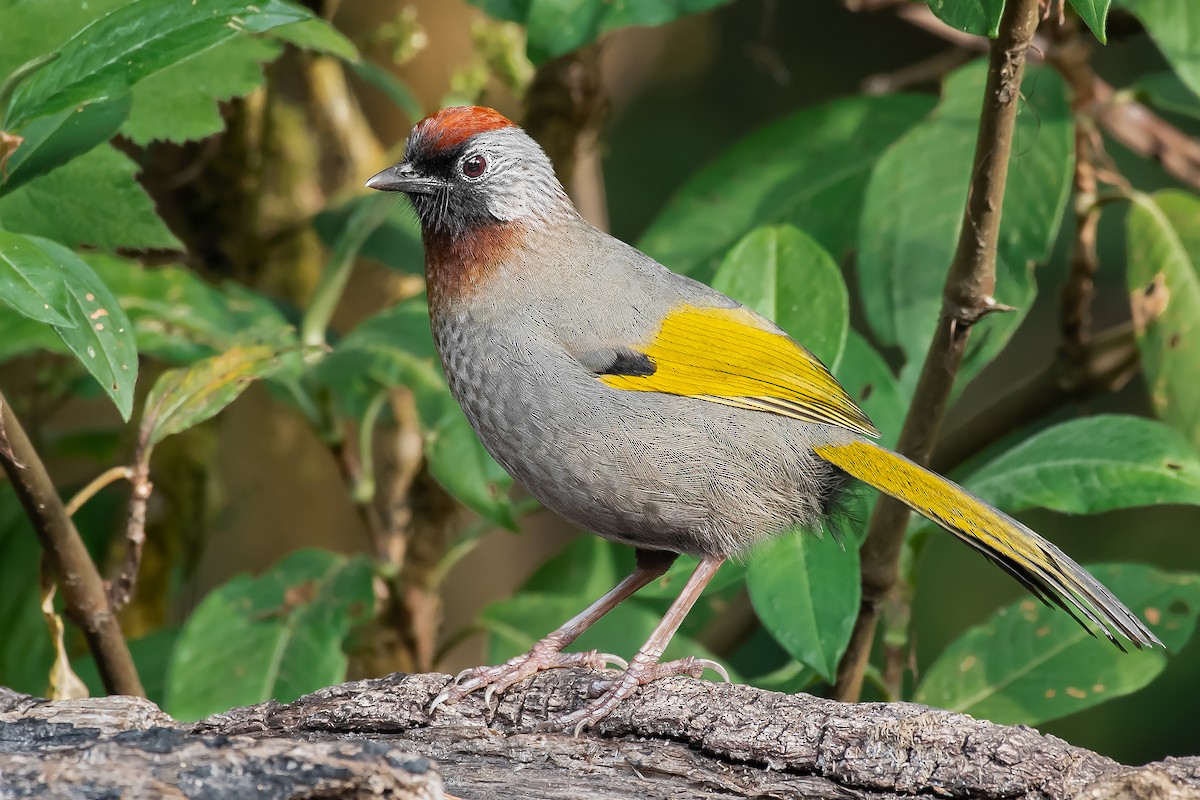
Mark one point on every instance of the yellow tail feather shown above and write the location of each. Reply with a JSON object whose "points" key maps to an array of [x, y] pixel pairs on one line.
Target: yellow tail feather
{"points": [[1044, 569]]}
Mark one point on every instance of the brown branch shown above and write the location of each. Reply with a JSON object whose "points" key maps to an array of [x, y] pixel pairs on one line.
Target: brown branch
{"points": [[1124, 118], [678, 738], [1071, 56], [967, 298], [1149, 135], [83, 590], [121, 588]]}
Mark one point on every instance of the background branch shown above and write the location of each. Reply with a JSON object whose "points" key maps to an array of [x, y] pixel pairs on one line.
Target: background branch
{"points": [[565, 107], [83, 591], [1127, 120], [967, 297]]}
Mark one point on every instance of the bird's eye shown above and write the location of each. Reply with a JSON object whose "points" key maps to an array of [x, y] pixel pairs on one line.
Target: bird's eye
{"points": [[474, 166]]}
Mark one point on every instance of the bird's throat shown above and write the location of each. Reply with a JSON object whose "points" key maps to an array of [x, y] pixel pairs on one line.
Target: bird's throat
{"points": [[459, 265]]}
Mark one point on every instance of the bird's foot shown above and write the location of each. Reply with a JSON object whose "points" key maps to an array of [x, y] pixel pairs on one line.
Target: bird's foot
{"points": [[639, 673], [493, 680]]}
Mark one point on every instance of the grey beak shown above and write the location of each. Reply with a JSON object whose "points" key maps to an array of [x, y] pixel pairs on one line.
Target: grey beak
{"points": [[403, 178]]}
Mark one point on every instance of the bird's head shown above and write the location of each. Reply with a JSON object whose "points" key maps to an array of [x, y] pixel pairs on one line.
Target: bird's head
{"points": [[468, 167]]}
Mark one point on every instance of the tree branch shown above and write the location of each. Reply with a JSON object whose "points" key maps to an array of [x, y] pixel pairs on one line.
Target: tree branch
{"points": [[121, 589], [678, 738], [1124, 118], [967, 298], [82, 587]]}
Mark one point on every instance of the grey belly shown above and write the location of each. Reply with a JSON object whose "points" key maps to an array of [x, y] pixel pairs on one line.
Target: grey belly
{"points": [[651, 470]]}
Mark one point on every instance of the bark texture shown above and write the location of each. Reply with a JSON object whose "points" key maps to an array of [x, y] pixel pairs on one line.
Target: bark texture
{"points": [[678, 738]]}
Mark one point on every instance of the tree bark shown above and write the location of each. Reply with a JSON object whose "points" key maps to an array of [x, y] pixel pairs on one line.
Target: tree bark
{"points": [[678, 738]]}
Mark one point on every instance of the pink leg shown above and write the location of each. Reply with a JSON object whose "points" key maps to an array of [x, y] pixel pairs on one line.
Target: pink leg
{"points": [[547, 653], [645, 666]]}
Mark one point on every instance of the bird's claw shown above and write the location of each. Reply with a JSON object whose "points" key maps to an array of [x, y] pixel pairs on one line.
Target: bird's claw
{"points": [[495, 680], [637, 675]]}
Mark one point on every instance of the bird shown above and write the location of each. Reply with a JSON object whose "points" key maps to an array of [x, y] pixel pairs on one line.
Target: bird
{"points": [[649, 408]]}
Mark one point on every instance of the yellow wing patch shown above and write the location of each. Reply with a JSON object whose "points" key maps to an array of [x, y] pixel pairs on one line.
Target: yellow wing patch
{"points": [[722, 355]]}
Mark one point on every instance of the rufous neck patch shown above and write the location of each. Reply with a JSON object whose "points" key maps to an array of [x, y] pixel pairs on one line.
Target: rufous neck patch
{"points": [[454, 125]]}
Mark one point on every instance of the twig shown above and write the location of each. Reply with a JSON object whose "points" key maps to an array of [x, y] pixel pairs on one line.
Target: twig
{"points": [[927, 70], [121, 588], [110, 475], [83, 589], [1124, 118], [1147, 134], [967, 298]]}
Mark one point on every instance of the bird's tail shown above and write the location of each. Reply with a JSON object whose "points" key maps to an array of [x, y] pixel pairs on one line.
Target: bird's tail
{"points": [[1044, 569]]}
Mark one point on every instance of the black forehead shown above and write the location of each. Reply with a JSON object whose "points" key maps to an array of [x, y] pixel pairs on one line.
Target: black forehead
{"points": [[431, 159]]}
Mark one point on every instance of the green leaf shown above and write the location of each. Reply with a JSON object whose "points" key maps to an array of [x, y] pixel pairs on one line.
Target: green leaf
{"points": [[20, 335], [35, 30], [586, 568], [787, 276], [914, 207], [277, 636], [179, 318], [396, 243], [1030, 663], [1163, 241], [1094, 13], [100, 335], [1091, 465], [464, 469], [181, 102], [1175, 28], [27, 653], [866, 376], [109, 56], [514, 625], [319, 36], [52, 141], [806, 592], [26, 649], [396, 90], [183, 398], [31, 282], [809, 170], [392, 348], [559, 26], [1166, 91], [93, 199], [395, 348], [671, 584], [980, 17]]}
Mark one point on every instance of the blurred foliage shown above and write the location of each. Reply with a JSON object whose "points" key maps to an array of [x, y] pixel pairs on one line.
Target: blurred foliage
{"points": [[96, 290]]}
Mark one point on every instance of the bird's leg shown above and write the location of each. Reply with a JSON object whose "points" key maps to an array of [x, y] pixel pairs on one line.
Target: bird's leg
{"points": [[645, 666], [547, 653]]}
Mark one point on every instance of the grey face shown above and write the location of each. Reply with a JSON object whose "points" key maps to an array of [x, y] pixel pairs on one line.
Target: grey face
{"points": [[494, 177]]}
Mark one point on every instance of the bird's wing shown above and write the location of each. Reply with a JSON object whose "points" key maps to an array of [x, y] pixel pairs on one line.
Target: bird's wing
{"points": [[727, 356]]}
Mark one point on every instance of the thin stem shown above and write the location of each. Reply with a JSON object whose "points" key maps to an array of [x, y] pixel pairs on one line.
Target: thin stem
{"points": [[110, 475], [82, 587], [121, 589], [366, 217], [364, 483], [967, 298], [471, 538]]}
